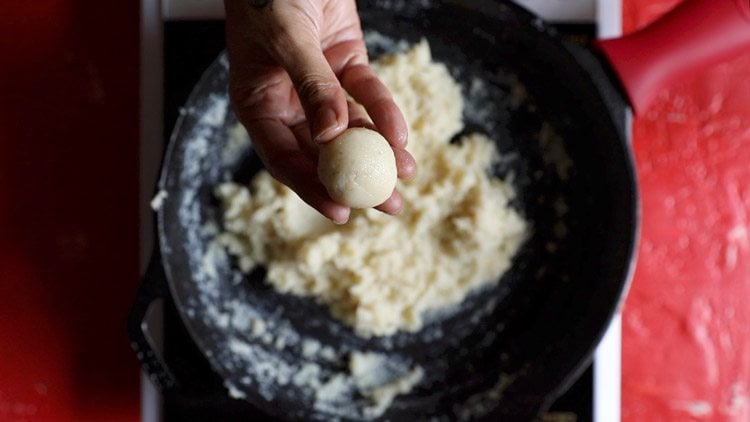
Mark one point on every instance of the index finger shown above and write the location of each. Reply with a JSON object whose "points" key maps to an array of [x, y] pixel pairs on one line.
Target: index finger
{"points": [[361, 83]]}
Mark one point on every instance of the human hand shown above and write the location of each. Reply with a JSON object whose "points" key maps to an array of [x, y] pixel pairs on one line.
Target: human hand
{"points": [[288, 63]]}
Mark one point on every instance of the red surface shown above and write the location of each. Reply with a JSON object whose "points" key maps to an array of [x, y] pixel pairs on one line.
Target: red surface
{"points": [[68, 209], [68, 226], [686, 329], [681, 44]]}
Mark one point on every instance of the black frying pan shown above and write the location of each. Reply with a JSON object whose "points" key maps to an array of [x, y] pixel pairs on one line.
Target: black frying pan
{"points": [[508, 351]]}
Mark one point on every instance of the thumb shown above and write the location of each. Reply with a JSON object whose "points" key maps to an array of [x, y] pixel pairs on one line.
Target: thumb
{"points": [[319, 91]]}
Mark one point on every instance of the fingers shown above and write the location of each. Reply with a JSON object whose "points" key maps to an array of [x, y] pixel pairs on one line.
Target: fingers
{"points": [[362, 84], [405, 163], [358, 116], [318, 89], [280, 152], [392, 205]]}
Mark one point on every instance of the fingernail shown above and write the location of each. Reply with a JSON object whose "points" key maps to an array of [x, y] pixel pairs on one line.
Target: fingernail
{"points": [[325, 125], [341, 217]]}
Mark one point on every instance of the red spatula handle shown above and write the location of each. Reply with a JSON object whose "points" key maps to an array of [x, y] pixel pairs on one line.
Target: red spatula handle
{"points": [[690, 38]]}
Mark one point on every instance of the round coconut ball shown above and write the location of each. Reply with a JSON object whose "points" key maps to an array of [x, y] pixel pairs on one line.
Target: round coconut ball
{"points": [[358, 168]]}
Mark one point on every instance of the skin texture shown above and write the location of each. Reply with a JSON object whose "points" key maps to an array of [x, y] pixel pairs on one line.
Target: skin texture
{"points": [[290, 62]]}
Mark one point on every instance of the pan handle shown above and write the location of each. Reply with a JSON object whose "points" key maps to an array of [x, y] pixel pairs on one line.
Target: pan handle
{"points": [[152, 288], [693, 36]]}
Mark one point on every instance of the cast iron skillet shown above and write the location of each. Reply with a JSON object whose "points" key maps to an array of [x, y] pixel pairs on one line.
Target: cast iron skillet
{"points": [[508, 351]]}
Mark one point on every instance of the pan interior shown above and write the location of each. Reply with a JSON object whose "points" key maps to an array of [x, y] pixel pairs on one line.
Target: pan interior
{"points": [[513, 343]]}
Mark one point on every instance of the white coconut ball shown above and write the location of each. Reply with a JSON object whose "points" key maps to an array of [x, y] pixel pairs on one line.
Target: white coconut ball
{"points": [[358, 168]]}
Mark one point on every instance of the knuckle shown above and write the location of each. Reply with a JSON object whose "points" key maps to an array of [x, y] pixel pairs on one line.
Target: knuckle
{"points": [[316, 88], [357, 57]]}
